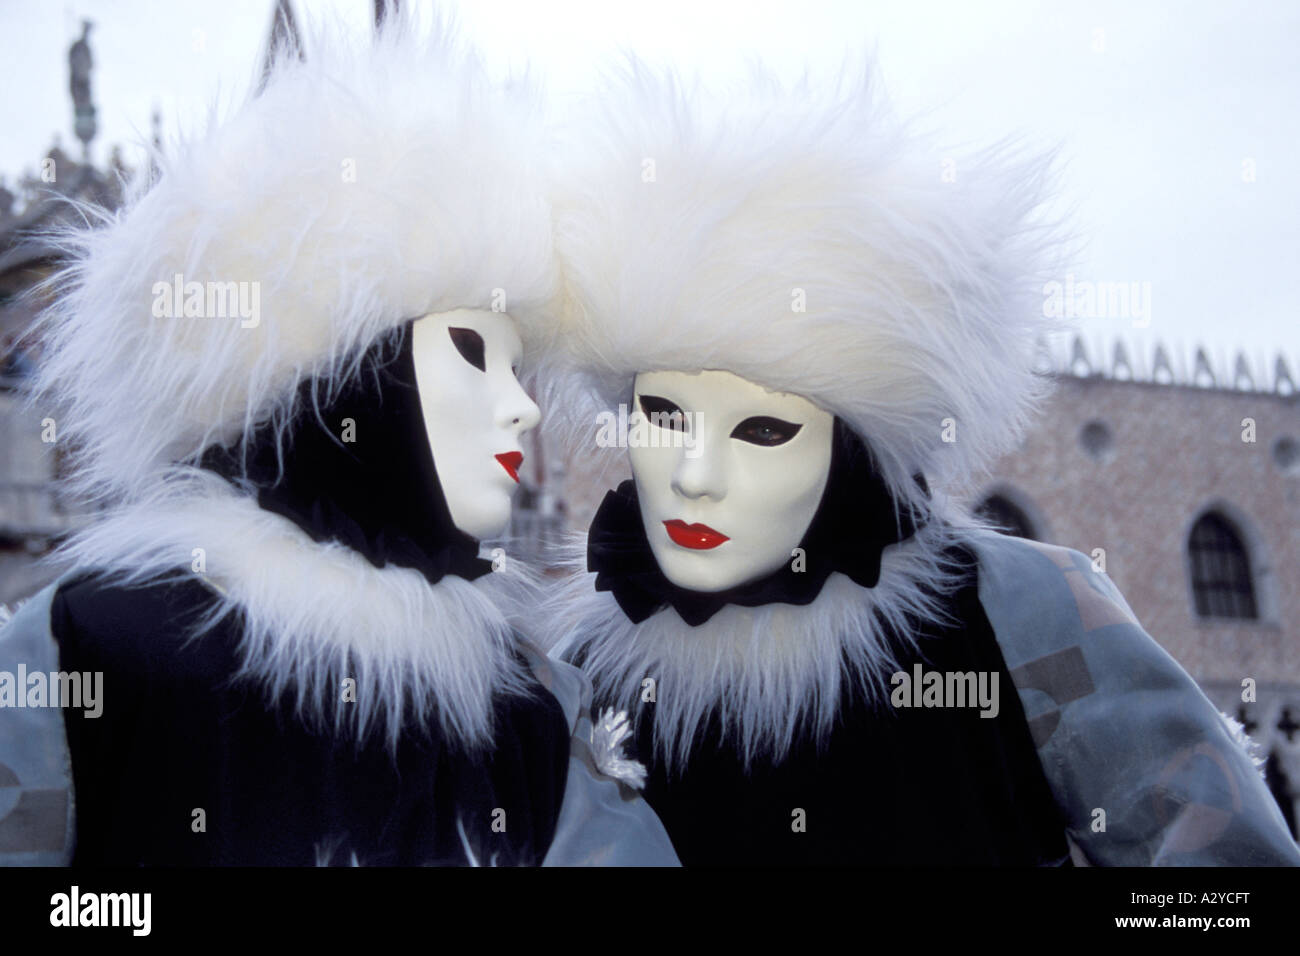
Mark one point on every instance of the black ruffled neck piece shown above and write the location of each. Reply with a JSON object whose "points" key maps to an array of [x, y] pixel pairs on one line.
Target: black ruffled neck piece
{"points": [[378, 494], [854, 523]]}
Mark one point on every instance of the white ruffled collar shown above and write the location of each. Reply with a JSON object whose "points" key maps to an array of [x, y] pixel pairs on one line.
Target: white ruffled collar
{"points": [[312, 614], [766, 672]]}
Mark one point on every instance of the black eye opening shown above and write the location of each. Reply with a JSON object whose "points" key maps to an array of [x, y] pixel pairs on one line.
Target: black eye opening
{"points": [[765, 430], [663, 413], [470, 346]]}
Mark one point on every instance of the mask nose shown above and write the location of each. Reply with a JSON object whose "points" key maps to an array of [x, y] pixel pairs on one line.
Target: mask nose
{"points": [[517, 412], [702, 473]]}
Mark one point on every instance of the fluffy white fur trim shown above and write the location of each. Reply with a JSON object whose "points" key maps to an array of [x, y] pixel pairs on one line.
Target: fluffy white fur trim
{"points": [[609, 733], [1252, 748], [806, 241], [373, 183], [767, 672], [314, 613]]}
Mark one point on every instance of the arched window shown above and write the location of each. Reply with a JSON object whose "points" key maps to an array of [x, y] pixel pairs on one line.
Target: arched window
{"points": [[1221, 581], [1005, 516]]}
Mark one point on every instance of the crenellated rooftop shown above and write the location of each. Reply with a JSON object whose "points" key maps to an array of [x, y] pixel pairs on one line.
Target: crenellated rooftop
{"points": [[1084, 355]]}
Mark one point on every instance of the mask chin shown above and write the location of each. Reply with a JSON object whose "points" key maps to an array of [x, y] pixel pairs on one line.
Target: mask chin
{"points": [[701, 575], [481, 516]]}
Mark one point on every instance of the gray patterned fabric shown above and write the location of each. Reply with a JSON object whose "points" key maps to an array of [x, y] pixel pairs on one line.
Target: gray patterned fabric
{"points": [[1120, 727], [603, 822], [36, 800]]}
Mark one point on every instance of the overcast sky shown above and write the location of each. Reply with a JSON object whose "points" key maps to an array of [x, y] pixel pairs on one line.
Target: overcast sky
{"points": [[1165, 111]]}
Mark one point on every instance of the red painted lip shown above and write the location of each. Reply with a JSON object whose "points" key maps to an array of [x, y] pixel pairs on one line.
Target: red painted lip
{"points": [[510, 461], [698, 536]]}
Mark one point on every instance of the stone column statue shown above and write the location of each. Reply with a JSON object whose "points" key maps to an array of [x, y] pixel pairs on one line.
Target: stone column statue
{"points": [[80, 64]]}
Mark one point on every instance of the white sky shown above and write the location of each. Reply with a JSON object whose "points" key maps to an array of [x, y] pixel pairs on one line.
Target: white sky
{"points": [[1157, 105]]}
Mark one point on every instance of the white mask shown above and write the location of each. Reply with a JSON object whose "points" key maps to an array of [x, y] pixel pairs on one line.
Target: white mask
{"points": [[474, 412], [751, 472]]}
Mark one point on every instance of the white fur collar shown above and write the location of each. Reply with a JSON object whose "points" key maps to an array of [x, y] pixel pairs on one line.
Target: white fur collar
{"points": [[315, 613], [767, 671]]}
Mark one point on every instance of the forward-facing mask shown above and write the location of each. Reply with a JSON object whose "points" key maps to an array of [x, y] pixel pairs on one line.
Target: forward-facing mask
{"points": [[730, 503], [729, 514]]}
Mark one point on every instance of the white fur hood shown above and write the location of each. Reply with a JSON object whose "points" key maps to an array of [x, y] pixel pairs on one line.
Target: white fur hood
{"points": [[376, 181], [807, 240], [373, 183]]}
